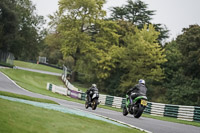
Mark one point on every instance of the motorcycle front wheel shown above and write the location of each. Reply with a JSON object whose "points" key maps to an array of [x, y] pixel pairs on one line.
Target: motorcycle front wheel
{"points": [[125, 112], [86, 105]]}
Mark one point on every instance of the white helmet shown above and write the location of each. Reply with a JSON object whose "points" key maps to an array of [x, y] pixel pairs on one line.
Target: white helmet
{"points": [[141, 81], [94, 85]]}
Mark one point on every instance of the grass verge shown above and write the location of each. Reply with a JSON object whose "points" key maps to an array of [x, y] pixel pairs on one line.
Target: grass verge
{"points": [[170, 119], [164, 118], [26, 97], [80, 86], [36, 66], [21, 118], [6, 64], [36, 82]]}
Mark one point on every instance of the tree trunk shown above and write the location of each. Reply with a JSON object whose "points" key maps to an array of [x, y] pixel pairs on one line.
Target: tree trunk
{"points": [[74, 75]]}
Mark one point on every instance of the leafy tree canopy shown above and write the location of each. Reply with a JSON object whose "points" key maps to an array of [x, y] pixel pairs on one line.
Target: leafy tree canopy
{"points": [[138, 14], [142, 57], [189, 45], [181, 70], [20, 29]]}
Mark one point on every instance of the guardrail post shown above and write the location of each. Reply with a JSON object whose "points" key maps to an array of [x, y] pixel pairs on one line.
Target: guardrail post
{"points": [[196, 114]]}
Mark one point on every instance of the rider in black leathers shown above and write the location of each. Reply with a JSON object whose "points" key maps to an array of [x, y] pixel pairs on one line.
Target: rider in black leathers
{"points": [[138, 90], [91, 91]]}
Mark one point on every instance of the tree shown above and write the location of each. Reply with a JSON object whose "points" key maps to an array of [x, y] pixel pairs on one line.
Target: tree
{"points": [[20, 29], [188, 43], [183, 90], [8, 24], [174, 60], [135, 12], [104, 51], [98, 61], [52, 48], [118, 13], [75, 22], [138, 14], [182, 78], [143, 57], [30, 35]]}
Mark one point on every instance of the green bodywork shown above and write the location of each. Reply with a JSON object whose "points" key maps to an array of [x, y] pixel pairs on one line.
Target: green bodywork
{"points": [[127, 101], [136, 99]]}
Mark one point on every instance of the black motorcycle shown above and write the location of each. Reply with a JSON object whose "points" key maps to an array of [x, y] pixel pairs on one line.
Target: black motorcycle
{"points": [[136, 106], [94, 100]]}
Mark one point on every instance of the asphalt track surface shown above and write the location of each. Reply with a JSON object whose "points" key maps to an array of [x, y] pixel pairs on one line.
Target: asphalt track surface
{"points": [[38, 71], [148, 124]]}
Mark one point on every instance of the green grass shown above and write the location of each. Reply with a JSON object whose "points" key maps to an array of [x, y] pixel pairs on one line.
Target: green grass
{"points": [[37, 82], [32, 81], [6, 64], [36, 66], [170, 119], [26, 97], [80, 86], [23, 118]]}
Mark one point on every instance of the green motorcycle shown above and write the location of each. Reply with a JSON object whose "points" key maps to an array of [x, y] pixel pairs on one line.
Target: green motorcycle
{"points": [[135, 106]]}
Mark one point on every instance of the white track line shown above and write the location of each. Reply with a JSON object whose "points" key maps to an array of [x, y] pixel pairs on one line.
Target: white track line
{"points": [[14, 82], [132, 126]]}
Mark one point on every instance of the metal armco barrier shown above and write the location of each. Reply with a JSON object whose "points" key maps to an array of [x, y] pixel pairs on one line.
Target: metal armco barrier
{"points": [[189, 113], [57, 89], [63, 91], [74, 94], [196, 114], [82, 96], [148, 108], [186, 112], [157, 109], [102, 99], [109, 100], [171, 111], [117, 101], [68, 84]]}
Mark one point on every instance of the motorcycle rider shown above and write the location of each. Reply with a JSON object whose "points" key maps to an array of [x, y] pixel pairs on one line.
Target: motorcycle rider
{"points": [[90, 92], [138, 90]]}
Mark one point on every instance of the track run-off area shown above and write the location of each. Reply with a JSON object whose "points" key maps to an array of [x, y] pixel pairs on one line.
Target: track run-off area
{"points": [[143, 123]]}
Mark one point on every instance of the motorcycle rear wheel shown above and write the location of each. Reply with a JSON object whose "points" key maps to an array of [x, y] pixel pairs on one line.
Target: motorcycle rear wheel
{"points": [[94, 104], [138, 110]]}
